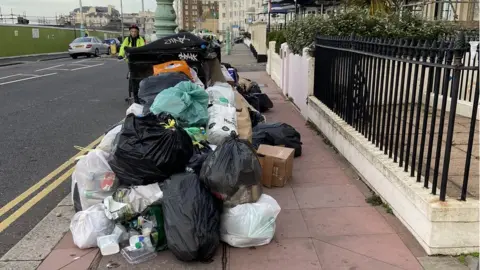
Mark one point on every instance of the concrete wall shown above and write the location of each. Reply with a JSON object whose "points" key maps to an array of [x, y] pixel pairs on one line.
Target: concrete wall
{"points": [[293, 73], [450, 227], [18, 39], [259, 37]]}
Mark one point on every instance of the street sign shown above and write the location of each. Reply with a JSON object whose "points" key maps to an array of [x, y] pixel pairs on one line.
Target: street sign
{"points": [[35, 33]]}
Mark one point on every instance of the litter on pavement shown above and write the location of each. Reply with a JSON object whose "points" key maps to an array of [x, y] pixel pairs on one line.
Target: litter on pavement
{"points": [[185, 170]]}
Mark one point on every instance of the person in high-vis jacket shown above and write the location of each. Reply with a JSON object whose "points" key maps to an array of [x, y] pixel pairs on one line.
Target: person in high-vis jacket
{"points": [[134, 40]]}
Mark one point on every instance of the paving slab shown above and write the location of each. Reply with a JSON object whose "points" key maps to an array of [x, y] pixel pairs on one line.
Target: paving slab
{"points": [[325, 222], [38, 243]]}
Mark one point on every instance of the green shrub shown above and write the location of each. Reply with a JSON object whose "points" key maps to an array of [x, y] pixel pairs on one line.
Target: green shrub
{"points": [[278, 37], [271, 36], [280, 40], [358, 21]]}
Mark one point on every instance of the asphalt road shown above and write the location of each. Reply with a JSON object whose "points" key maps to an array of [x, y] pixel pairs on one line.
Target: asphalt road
{"points": [[46, 108]]}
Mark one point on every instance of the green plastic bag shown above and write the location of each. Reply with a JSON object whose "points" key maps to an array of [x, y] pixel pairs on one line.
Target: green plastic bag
{"points": [[186, 101], [158, 237], [197, 134]]}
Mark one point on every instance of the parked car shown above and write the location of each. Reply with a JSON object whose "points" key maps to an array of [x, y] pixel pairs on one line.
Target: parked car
{"points": [[87, 46], [112, 41]]}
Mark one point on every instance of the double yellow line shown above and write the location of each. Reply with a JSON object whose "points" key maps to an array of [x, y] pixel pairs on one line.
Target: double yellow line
{"points": [[44, 192]]}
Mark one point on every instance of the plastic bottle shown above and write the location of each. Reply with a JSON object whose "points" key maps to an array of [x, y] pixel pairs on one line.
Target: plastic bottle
{"points": [[144, 241]]}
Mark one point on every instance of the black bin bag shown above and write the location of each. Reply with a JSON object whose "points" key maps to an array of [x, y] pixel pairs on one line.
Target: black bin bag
{"points": [[253, 101], [151, 86], [254, 88], [201, 151], [150, 149], [192, 218], [277, 134], [233, 172], [262, 137], [264, 102], [255, 117]]}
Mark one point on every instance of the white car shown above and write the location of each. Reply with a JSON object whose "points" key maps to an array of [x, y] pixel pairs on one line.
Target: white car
{"points": [[87, 46]]}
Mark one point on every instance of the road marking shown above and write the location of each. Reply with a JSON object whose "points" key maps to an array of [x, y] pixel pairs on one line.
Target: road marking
{"points": [[87, 67], [49, 68], [25, 79], [10, 76], [47, 178], [33, 75], [61, 69], [80, 61], [79, 65], [24, 208]]}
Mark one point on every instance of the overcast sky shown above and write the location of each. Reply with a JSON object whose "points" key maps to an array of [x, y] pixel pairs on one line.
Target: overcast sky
{"points": [[51, 7]]}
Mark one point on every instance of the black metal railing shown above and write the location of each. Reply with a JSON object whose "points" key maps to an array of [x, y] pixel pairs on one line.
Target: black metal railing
{"points": [[391, 91], [276, 27]]}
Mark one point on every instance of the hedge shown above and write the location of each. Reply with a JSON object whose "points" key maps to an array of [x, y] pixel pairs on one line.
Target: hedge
{"points": [[278, 37], [301, 32]]}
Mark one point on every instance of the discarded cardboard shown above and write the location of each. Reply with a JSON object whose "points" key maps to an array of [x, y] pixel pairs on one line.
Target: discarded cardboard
{"points": [[277, 164], [244, 124]]}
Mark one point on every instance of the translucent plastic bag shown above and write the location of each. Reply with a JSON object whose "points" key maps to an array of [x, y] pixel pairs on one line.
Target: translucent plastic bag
{"points": [[250, 224], [94, 179], [196, 79], [108, 142], [221, 94], [186, 102], [136, 109], [87, 225], [128, 202]]}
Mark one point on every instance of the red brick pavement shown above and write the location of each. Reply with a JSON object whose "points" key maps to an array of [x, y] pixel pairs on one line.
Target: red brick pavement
{"points": [[325, 222]]}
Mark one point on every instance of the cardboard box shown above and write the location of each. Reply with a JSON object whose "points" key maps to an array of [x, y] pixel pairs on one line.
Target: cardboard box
{"points": [[277, 164]]}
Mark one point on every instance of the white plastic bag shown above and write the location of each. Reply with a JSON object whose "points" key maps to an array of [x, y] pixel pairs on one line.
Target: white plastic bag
{"points": [[136, 109], [132, 200], [222, 121], [108, 142], [94, 178], [87, 225], [250, 224], [221, 94]]}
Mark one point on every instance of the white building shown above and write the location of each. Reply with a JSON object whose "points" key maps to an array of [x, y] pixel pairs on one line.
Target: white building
{"points": [[95, 16], [233, 14]]}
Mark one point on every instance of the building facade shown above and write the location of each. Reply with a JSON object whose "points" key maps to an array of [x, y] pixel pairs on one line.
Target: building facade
{"points": [[191, 11], [209, 16], [95, 16], [236, 15]]}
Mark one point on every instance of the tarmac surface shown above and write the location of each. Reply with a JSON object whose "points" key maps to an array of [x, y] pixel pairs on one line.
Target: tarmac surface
{"points": [[46, 108]]}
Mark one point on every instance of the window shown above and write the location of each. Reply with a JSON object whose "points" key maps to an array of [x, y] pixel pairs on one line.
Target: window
{"points": [[80, 40]]}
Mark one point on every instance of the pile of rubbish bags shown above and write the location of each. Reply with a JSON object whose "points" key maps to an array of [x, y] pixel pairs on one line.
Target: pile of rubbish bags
{"points": [[181, 171]]}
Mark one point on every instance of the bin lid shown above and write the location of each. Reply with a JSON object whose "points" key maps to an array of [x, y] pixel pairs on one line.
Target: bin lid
{"points": [[172, 42]]}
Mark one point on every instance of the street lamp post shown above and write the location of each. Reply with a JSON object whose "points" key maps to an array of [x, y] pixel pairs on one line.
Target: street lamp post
{"points": [[121, 19], [165, 18], [144, 19], [82, 29]]}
